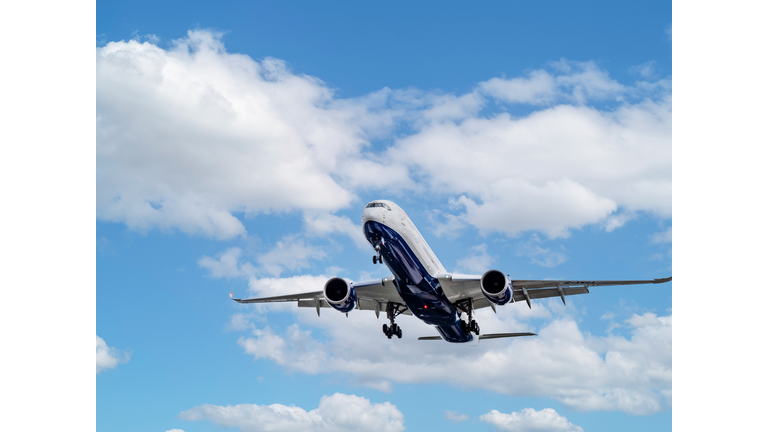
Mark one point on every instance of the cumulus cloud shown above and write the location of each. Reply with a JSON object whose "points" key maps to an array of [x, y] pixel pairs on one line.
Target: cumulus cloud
{"points": [[193, 138], [569, 81], [542, 256], [188, 135], [322, 224], [582, 371], [551, 171], [290, 253], [227, 264], [338, 412], [108, 357], [530, 420], [478, 260], [646, 70], [455, 417]]}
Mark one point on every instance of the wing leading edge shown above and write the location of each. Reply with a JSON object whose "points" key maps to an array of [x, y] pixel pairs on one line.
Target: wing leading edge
{"points": [[459, 287], [371, 295]]}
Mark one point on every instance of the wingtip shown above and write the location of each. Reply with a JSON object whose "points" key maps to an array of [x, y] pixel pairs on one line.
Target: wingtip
{"points": [[662, 280]]}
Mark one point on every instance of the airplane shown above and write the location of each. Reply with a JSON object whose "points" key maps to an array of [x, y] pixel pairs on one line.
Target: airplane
{"points": [[420, 285]]}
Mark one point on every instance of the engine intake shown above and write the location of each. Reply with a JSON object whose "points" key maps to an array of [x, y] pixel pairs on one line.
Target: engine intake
{"points": [[496, 287], [340, 294]]}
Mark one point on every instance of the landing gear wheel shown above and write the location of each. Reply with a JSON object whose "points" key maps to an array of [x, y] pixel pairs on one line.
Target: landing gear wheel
{"points": [[393, 310], [375, 258], [380, 260]]}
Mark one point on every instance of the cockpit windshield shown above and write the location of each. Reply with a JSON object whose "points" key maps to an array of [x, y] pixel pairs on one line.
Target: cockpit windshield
{"points": [[377, 204]]}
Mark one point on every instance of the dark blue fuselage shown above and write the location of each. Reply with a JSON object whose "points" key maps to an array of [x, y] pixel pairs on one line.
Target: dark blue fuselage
{"points": [[420, 291]]}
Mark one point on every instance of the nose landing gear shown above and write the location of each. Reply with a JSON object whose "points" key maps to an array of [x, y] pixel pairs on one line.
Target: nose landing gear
{"points": [[377, 257], [393, 310]]}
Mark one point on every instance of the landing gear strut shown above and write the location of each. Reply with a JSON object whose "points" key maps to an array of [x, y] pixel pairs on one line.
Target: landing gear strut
{"points": [[393, 310], [472, 326], [377, 257]]}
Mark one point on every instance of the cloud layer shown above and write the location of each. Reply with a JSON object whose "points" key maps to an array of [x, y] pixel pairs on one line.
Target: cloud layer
{"points": [[585, 372], [194, 138], [339, 412]]}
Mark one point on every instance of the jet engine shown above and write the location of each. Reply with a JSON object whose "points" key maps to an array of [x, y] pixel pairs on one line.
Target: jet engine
{"points": [[496, 287], [340, 294]]}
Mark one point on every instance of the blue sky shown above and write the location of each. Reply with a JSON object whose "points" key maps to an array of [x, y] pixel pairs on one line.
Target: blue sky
{"points": [[534, 139]]}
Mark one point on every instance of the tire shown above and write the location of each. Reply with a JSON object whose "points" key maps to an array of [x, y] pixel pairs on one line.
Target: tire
{"points": [[374, 259], [384, 328], [381, 261], [399, 333]]}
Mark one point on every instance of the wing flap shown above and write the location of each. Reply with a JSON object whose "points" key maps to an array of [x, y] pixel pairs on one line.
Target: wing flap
{"points": [[548, 292]]}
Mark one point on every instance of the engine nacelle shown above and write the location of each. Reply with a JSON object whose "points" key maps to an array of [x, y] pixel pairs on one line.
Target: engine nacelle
{"points": [[496, 287], [340, 294]]}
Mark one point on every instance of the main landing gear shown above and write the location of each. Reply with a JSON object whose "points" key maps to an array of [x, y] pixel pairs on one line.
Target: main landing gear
{"points": [[472, 326], [393, 310]]}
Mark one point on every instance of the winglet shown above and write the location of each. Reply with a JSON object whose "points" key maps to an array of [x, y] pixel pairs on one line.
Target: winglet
{"points": [[662, 280], [230, 296]]}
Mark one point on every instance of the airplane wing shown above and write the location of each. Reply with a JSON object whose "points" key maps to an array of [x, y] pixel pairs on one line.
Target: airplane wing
{"points": [[371, 295], [459, 287]]}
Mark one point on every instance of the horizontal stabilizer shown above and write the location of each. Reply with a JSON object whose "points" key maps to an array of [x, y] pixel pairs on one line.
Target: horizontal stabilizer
{"points": [[505, 335], [485, 336]]}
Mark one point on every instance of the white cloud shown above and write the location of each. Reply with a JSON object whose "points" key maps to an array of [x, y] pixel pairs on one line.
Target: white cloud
{"points": [[571, 81], [339, 412], [108, 357], [451, 228], [551, 171], [582, 371], [291, 285], [455, 417], [617, 220], [290, 253], [646, 70], [188, 135], [175, 430], [227, 265], [323, 224], [544, 257], [537, 88], [191, 136], [530, 420], [478, 260]]}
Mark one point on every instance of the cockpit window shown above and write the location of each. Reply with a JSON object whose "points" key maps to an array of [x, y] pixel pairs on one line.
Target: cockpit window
{"points": [[376, 204]]}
